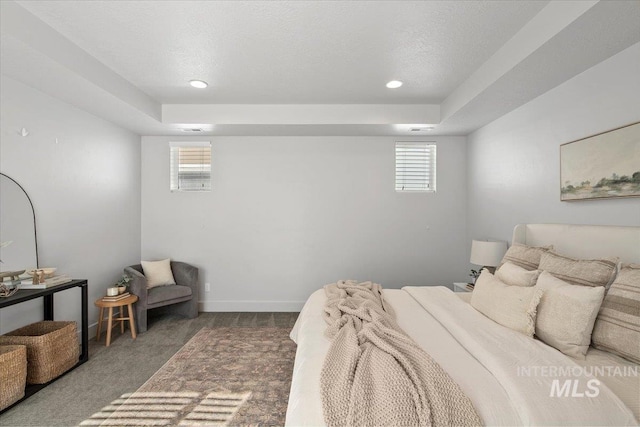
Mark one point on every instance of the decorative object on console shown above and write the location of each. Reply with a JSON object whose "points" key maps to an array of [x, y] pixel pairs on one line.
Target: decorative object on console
{"points": [[9, 283], [487, 254], [606, 165], [6, 291], [45, 283], [10, 279], [47, 271]]}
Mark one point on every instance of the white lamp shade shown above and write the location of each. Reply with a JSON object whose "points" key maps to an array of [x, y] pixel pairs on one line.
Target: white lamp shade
{"points": [[487, 253]]}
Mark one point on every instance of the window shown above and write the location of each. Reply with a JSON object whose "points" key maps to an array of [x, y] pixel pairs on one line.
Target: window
{"points": [[190, 166], [416, 166]]}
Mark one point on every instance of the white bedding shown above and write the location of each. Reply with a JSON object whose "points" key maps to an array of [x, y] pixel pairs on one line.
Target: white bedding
{"points": [[464, 343]]}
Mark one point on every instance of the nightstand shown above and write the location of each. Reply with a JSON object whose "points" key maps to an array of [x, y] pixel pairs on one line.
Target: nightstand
{"points": [[128, 301], [460, 287]]}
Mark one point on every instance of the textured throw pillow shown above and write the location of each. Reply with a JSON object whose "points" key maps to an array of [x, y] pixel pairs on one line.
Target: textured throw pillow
{"points": [[514, 275], [594, 272], [158, 273], [527, 257], [617, 327], [510, 306], [566, 314]]}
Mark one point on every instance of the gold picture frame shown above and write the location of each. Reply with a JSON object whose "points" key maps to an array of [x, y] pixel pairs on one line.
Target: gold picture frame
{"points": [[601, 166]]}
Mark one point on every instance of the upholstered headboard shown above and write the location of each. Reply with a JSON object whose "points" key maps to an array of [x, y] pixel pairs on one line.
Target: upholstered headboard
{"points": [[583, 241]]}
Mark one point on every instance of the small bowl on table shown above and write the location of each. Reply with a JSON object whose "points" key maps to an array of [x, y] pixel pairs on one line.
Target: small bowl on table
{"points": [[48, 271]]}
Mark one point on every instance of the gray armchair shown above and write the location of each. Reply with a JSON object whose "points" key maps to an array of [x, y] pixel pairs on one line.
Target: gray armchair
{"points": [[181, 297]]}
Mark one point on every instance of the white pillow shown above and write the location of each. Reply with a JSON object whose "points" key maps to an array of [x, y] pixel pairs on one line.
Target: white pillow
{"points": [[158, 273], [514, 275], [510, 306], [566, 314]]}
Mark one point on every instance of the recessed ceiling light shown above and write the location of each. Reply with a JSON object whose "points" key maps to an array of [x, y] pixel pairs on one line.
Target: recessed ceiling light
{"points": [[192, 130], [394, 84], [421, 129], [200, 84]]}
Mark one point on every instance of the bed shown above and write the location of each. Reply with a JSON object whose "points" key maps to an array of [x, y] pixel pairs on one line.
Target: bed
{"points": [[504, 374]]}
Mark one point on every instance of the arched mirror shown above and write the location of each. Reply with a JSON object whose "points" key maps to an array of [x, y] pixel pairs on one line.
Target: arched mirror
{"points": [[18, 234]]}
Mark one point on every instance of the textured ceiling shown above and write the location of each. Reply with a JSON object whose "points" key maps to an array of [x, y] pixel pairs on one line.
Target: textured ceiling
{"points": [[307, 67], [290, 51]]}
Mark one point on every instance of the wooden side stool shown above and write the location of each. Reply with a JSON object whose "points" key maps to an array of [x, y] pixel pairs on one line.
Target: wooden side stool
{"points": [[110, 320]]}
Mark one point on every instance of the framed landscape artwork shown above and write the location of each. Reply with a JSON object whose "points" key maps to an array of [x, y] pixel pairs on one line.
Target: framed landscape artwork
{"points": [[606, 165]]}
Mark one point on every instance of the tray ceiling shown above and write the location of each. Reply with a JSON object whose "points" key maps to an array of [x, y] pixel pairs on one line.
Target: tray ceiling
{"points": [[465, 63]]}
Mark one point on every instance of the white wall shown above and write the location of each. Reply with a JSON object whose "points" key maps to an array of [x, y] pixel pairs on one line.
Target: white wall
{"points": [[85, 190], [288, 215], [514, 163]]}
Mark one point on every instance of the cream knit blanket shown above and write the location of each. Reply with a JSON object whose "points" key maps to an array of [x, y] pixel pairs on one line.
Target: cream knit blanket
{"points": [[375, 375]]}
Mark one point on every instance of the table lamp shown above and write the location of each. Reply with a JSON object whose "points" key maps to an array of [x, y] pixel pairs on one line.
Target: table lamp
{"points": [[487, 253]]}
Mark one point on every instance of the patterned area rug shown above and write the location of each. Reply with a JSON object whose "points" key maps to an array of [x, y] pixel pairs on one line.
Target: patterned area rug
{"points": [[222, 376]]}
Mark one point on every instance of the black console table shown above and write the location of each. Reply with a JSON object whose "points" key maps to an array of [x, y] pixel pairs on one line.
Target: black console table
{"points": [[47, 295]]}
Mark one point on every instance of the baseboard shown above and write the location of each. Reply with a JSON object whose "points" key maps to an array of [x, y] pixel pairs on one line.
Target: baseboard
{"points": [[251, 306], [93, 328]]}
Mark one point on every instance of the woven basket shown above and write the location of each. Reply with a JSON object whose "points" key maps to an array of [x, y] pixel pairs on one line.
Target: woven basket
{"points": [[13, 374], [52, 348]]}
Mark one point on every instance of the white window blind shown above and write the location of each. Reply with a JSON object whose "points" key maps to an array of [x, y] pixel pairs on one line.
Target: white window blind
{"points": [[190, 166], [415, 166]]}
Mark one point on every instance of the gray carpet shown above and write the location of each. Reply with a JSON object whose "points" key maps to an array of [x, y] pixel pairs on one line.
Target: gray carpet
{"points": [[124, 367]]}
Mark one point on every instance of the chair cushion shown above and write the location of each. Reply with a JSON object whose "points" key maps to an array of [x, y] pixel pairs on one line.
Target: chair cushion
{"points": [[161, 294]]}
